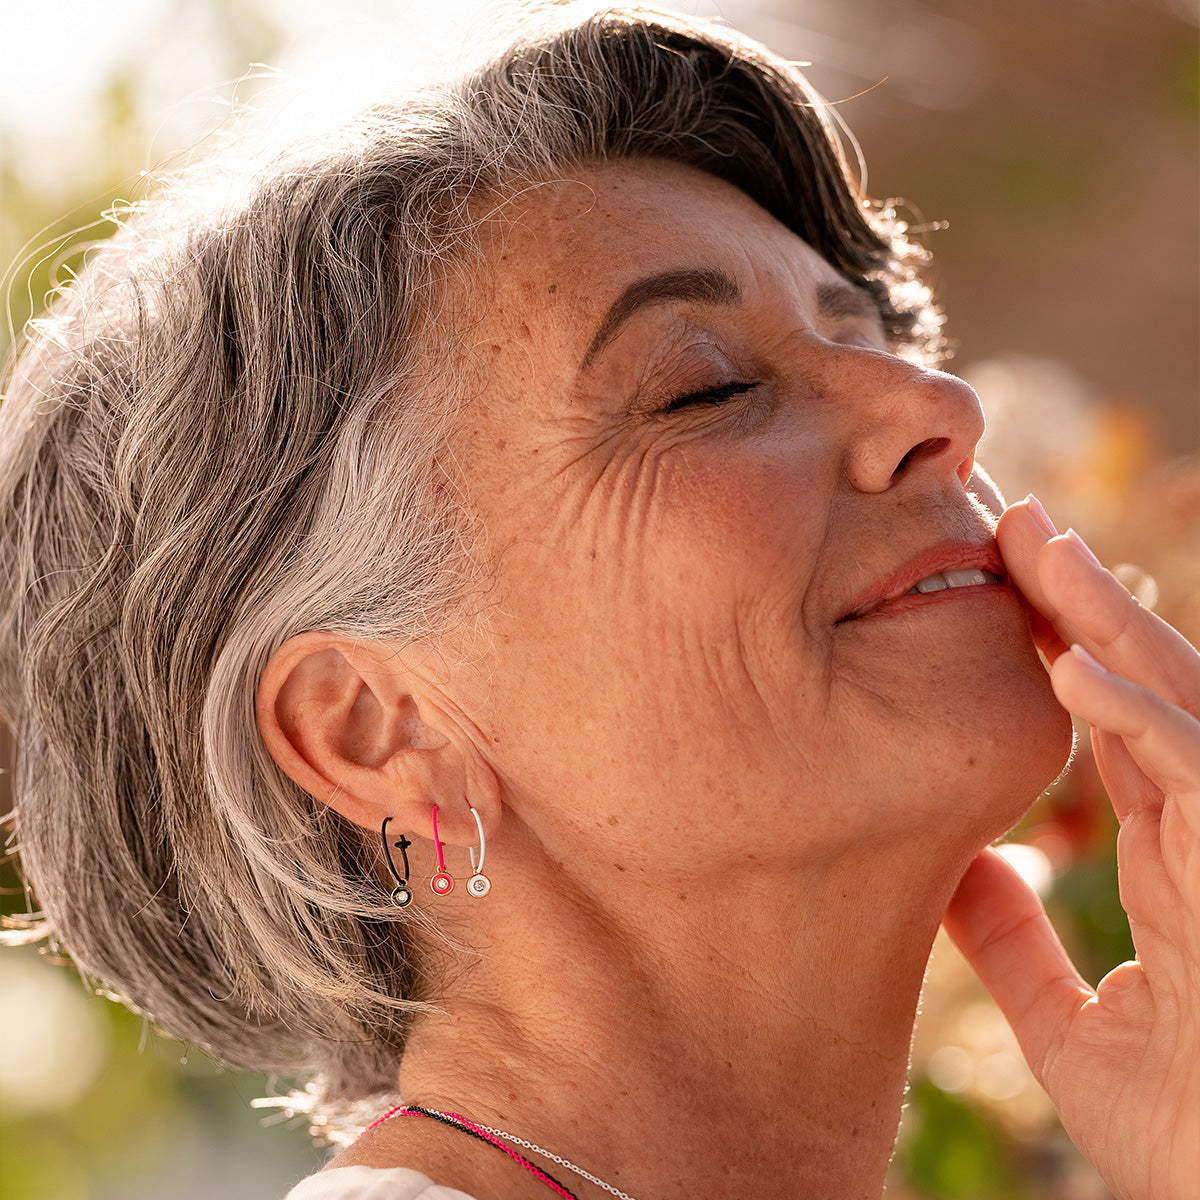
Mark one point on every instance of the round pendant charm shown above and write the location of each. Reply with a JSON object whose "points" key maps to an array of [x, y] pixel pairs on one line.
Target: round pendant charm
{"points": [[402, 897], [442, 883], [479, 885]]}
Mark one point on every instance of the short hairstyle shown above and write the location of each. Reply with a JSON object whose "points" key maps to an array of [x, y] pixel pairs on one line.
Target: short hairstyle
{"points": [[223, 434]]}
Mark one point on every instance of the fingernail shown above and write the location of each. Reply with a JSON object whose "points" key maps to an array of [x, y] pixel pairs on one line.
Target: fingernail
{"points": [[1040, 515], [1083, 547], [1087, 660]]}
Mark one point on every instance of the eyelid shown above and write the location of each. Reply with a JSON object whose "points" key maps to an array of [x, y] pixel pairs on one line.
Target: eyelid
{"points": [[687, 366], [709, 395]]}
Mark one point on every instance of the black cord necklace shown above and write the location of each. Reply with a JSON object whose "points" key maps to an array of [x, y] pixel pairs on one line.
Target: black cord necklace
{"points": [[484, 1135]]}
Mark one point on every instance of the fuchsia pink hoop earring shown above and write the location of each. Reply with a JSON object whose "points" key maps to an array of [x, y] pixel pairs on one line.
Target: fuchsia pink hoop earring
{"points": [[442, 882]]}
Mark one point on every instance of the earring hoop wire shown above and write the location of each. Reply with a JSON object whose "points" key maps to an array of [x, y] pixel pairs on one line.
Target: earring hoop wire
{"points": [[402, 894], [442, 882], [479, 884], [477, 867]]}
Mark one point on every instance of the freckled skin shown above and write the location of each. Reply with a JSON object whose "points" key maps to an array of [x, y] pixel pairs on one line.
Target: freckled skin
{"points": [[724, 821], [669, 588]]}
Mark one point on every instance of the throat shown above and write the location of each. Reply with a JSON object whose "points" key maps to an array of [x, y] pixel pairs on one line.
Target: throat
{"points": [[673, 1058]]}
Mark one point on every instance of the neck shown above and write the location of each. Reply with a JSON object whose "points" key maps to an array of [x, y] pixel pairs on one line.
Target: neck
{"points": [[678, 1038]]}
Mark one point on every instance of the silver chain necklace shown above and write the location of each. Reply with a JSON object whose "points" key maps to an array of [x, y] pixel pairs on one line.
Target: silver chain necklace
{"points": [[562, 1162]]}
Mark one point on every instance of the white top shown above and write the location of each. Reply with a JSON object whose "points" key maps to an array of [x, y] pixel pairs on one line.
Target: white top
{"points": [[372, 1183]]}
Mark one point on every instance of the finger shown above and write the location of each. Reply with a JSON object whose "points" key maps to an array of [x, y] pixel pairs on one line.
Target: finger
{"points": [[1021, 532], [1127, 785], [1086, 604], [998, 922], [1045, 636], [1161, 738], [1023, 529], [1159, 893], [1078, 601]]}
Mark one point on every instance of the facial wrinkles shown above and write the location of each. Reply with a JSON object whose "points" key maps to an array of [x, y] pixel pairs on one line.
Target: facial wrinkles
{"points": [[773, 707], [732, 644], [624, 515], [594, 519], [614, 483]]}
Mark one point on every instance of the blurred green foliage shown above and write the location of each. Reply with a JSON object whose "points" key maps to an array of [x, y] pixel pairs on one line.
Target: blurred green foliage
{"points": [[952, 1151], [1087, 913]]}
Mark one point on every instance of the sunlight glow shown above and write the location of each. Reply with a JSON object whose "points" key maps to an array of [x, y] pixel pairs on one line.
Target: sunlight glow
{"points": [[54, 1043]]}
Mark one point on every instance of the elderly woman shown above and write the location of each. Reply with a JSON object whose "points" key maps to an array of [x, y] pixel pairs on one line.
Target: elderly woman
{"points": [[501, 611]]}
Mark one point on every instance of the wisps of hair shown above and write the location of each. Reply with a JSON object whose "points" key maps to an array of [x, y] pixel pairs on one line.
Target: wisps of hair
{"points": [[225, 434]]}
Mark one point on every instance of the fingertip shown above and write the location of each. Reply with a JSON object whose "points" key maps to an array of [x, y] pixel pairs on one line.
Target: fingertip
{"points": [[1082, 547], [979, 878], [1087, 661], [991, 893], [1022, 542], [1031, 516], [1074, 675], [1040, 515]]}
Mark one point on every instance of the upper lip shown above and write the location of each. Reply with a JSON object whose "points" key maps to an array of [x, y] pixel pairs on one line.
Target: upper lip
{"points": [[945, 556]]}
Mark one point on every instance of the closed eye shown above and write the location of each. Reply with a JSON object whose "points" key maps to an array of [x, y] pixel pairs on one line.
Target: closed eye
{"points": [[715, 395]]}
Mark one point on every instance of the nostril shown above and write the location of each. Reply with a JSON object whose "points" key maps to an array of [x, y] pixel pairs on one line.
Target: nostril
{"points": [[929, 448]]}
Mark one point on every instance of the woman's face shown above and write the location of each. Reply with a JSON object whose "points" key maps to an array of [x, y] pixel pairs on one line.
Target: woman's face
{"points": [[707, 490]]}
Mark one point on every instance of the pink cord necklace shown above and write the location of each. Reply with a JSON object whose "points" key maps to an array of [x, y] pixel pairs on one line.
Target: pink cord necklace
{"points": [[485, 1133]]}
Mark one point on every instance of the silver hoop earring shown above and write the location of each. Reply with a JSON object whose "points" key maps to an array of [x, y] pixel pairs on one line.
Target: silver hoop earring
{"points": [[479, 884]]}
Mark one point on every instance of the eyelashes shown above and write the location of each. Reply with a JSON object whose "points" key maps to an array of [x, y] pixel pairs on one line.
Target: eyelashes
{"points": [[717, 395]]}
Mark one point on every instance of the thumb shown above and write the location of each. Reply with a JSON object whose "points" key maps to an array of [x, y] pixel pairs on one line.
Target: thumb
{"points": [[999, 924]]}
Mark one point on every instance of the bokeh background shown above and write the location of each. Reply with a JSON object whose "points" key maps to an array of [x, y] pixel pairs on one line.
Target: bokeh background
{"points": [[1049, 150]]}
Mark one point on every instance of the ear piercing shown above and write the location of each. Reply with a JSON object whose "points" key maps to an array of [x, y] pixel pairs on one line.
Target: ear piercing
{"points": [[479, 884], [442, 883], [402, 895]]}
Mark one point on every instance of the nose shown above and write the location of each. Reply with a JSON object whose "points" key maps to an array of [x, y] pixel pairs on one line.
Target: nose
{"points": [[904, 421]]}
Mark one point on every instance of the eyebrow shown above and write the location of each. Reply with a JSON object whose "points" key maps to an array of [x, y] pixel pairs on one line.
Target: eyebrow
{"points": [[846, 300], [710, 285], [699, 285]]}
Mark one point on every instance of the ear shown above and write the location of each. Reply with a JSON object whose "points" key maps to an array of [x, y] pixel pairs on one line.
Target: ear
{"points": [[361, 727]]}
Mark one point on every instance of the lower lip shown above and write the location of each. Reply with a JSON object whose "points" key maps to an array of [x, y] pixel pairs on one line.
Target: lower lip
{"points": [[980, 593]]}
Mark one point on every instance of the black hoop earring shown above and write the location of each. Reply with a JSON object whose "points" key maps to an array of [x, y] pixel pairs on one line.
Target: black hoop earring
{"points": [[402, 894]]}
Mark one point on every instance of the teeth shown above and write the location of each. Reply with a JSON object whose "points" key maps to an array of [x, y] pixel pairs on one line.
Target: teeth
{"points": [[971, 577], [935, 583]]}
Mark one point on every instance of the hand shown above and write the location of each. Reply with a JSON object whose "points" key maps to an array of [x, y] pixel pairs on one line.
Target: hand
{"points": [[1121, 1062]]}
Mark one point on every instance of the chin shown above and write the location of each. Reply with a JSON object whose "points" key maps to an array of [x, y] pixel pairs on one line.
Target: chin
{"points": [[961, 731], [1021, 742], [993, 732]]}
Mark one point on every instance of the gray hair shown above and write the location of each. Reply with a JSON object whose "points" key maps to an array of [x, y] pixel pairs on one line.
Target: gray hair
{"points": [[225, 433]]}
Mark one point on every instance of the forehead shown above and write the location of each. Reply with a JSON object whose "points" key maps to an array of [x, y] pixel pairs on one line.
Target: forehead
{"points": [[557, 253]]}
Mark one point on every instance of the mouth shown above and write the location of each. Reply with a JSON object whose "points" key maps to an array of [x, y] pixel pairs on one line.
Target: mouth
{"points": [[941, 580], [949, 567]]}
